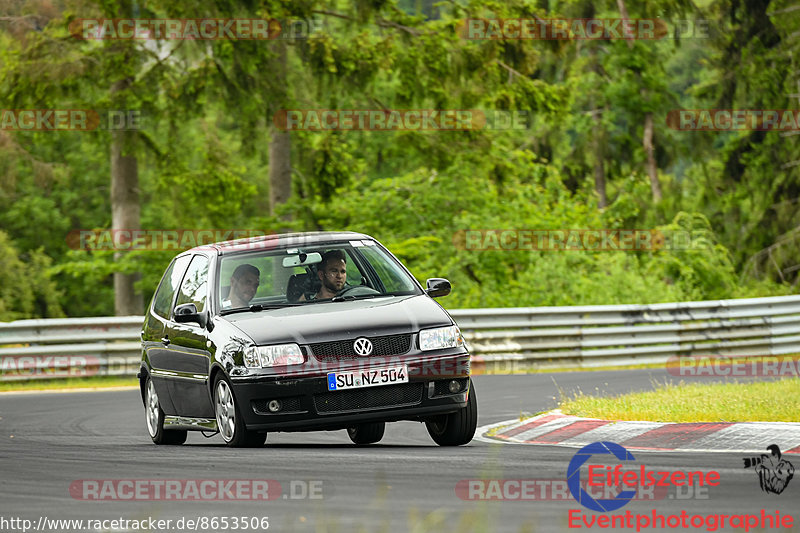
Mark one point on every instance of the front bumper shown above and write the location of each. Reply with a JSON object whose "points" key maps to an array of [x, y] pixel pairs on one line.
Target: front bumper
{"points": [[306, 403]]}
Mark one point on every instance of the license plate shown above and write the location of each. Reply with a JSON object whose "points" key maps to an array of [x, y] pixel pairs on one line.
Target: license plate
{"points": [[367, 378]]}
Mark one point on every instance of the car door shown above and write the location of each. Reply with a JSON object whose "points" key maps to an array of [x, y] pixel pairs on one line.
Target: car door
{"points": [[154, 341], [189, 356]]}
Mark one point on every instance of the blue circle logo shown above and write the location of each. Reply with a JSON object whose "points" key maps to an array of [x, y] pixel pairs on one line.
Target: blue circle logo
{"points": [[574, 477]]}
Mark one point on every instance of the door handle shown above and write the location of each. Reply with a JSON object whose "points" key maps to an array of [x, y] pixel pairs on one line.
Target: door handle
{"points": [[165, 340]]}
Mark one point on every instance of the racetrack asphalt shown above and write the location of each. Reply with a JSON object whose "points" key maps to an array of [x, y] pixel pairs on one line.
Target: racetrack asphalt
{"points": [[49, 443]]}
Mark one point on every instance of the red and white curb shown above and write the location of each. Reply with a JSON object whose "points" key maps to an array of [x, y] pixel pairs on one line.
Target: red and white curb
{"points": [[554, 428]]}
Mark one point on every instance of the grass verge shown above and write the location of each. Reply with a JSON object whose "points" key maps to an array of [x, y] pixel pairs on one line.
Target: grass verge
{"points": [[676, 366], [771, 401], [97, 382]]}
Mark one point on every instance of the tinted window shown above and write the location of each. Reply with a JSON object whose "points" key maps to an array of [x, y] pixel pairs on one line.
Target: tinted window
{"points": [[169, 283], [194, 288]]}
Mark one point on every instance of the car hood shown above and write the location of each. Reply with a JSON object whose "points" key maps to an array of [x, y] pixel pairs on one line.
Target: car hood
{"points": [[330, 321]]}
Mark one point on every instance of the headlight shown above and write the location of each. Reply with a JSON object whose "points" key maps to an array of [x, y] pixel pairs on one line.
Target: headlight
{"points": [[276, 355], [438, 338]]}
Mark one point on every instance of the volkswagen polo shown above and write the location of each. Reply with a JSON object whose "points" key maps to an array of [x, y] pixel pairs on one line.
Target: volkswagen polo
{"points": [[301, 332]]}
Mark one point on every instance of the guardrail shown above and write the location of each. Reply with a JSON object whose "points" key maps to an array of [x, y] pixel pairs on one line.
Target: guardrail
{"points": [[70, 347], [616, 335], [500, 339]]}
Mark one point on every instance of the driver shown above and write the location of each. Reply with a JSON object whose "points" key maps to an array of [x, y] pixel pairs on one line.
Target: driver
{"points": [[332, 272]]}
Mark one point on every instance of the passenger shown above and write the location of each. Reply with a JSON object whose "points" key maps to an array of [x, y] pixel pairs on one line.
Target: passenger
{"points": [[244, 285]]}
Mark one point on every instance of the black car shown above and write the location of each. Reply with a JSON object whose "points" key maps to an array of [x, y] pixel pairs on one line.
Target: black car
{"points": [[300, 332]]}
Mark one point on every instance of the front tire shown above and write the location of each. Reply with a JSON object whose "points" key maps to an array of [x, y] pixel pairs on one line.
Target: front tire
{"points": [[229, 419], [154, 416], [367, 433], [456, 428]]}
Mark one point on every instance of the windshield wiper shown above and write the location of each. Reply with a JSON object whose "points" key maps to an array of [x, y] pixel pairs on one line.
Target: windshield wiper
{"points": [[257, 307], [349, 297]]}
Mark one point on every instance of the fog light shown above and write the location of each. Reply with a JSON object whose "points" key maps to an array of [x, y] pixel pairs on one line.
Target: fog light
{"points": [[455, 386], [274, 406]]}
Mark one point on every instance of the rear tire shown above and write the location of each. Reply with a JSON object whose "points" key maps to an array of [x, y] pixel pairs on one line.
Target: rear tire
{"points": [[367, 433], [456, 428], [230, 422], [154, 417]]}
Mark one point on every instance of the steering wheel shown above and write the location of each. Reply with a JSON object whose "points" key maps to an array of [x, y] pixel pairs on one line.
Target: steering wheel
{"points": [[357, 290]]}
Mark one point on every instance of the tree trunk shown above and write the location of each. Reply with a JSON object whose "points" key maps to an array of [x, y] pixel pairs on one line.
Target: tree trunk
{"points": [[652, 170], [280, 162], [647, 138], [280, 168], [124, 210], [599, 167], [623, 11], [598, 141]]}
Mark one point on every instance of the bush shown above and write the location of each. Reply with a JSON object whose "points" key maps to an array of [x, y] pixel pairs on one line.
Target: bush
{"points": [[421, 217], [26, 289]]}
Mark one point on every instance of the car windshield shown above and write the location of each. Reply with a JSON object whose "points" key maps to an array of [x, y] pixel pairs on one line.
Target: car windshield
{"points": [[263, 279]]}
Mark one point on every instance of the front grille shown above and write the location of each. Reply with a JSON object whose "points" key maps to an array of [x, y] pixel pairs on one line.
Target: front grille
{"points": [[289, 405], [369, 398], [343, 350], [442, 387]]}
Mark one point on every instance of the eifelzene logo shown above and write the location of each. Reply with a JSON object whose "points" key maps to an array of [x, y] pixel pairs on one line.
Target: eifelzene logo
{"points": [[774, 472]]}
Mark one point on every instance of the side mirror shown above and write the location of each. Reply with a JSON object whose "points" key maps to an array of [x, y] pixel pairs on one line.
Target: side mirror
{"points": [[437, 287], [188, 313]]}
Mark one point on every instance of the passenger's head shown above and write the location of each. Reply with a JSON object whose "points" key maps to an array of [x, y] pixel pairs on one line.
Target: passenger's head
{"points": [[244, 284], [332, 271]]}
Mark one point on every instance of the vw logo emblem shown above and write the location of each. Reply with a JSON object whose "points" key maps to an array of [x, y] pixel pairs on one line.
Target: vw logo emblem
{"points": [[362, 346]]}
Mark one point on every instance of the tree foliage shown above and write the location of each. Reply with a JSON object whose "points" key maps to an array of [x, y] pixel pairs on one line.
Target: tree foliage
{"points": [[208, 111]]}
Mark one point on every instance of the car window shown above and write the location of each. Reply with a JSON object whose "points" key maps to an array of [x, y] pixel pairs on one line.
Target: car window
{"points": [[393, 277], [270, 274], [194, 288], [354, 275], [169, 283], [370, 271]]}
